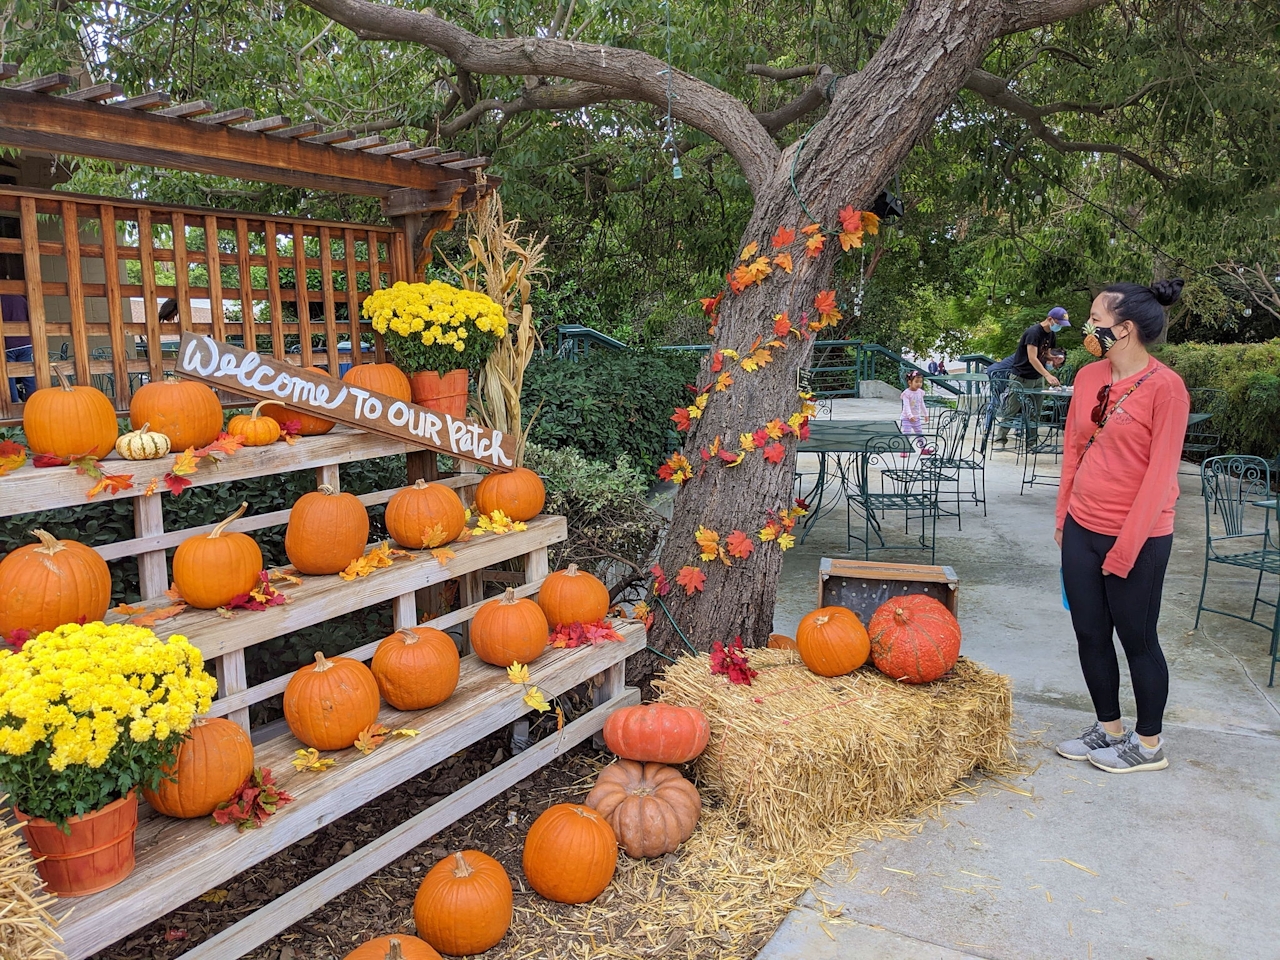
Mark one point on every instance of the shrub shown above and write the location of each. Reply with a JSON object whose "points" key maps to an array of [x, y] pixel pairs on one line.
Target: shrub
{"points": [[609, 403]]}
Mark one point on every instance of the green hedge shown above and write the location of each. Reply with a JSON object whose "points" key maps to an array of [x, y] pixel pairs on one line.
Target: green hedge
{"points": [[609, 403]]}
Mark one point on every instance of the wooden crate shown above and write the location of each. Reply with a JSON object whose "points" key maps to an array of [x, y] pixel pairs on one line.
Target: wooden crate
{"points": [[862, 586]]}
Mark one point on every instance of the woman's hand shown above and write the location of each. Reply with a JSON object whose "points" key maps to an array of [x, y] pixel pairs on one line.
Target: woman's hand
{"points": [[1057, 537]]}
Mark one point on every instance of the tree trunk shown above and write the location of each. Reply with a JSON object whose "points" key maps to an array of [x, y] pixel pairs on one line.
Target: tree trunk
{"points": [[875, 118]]}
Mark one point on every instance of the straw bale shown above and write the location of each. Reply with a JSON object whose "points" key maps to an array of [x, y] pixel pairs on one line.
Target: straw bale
{"points": [[26, 926], [799, 759]]}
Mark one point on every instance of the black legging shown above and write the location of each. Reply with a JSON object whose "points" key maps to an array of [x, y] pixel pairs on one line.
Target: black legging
{"points": [[1128, 605]]}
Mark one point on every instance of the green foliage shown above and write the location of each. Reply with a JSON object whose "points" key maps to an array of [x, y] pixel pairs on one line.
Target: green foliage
{"points": [[609, 403]]}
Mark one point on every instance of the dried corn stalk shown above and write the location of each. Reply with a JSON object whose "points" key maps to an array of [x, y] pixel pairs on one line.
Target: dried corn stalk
{"points": [[26, 927], [503, 265]]}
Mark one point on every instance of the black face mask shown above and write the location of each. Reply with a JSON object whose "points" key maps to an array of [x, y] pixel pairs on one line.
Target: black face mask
{"points": [[1098, 340]]}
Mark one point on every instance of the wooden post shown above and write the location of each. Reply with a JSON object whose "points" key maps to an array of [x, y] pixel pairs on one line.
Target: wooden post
{"points": [[608, 685], [328, 475], [273, 292], [115, 309], [147, 264], [75, 290], [148, 521], [213, 264], [233, 679], [35, 291], [405, 611]]}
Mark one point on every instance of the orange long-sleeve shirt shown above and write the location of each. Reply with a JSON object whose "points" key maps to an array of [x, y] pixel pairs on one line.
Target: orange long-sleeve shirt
{"points": [[1127, 484]]}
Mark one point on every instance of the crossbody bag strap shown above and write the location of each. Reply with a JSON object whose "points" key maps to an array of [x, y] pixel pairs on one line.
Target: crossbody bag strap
{"points": [[1114, 407]]}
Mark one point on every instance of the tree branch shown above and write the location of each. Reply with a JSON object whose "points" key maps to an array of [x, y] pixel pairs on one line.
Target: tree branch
{"points": [[629, 74], [779, 73], [996, 92], [813, 97], [1020, 15]]}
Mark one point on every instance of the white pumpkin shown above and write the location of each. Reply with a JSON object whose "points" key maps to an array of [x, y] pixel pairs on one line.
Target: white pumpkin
{"points": [[142, 444]]}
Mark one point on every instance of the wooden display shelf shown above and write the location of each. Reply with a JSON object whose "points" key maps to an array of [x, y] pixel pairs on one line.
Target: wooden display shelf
{"points": [[180, 859]]}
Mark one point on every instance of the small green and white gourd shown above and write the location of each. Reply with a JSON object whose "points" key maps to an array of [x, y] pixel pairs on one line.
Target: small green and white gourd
{"points": [[142, 444]]}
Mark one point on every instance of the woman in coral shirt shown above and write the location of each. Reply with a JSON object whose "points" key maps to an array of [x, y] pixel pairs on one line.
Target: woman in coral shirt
{"points": [[1123, 443]]}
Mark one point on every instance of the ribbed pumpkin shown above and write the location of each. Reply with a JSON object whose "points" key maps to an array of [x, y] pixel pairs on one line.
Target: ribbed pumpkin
{"points": [[142, 444], [657, 733], [210, 570], [463, 906], [573, 596], [780, 641], [509, 629], [186, 412], [328, 703], [570, 853], [69, 421], [650, 806], [384, 378], [399, 947], [44, 585], [915, 638], [209, 767], [416, 668], [518, 493], [425, 515], [326, 531], [832, 641], [258, 430], [309, 425]]}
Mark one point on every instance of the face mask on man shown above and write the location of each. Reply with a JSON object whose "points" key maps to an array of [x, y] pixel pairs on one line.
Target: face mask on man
{"points": [[1057, 327]]}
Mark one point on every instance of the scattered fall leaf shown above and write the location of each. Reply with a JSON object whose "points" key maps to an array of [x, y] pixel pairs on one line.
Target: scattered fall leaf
{"points": [[660, 585], [781, 324], [185, 463], [692, 579], [155, 616], [403, 732], [12, 456], [774, 452], [570, 635], [311, 760], [214, 896], [443, 555], [740, 545], [708, 543], [784, 263], [518, 672], [112, 483], [257, 799], [370, 738], [125, 610], [732, 662]]}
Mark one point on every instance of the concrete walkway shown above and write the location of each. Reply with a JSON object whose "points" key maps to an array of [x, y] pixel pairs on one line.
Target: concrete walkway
{"points": [[1184, 863]]}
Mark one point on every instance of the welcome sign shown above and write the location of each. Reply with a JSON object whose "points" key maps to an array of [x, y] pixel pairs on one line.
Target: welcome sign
{"points": [[221, 365]]}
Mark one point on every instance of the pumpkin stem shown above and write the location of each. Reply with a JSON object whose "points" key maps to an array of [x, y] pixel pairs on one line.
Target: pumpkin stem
{"points": [[461, 868], [48, 543], [509, 597], [60, 377], [571, 570], [819, 621], [420, 484], [409, 636], [144, 428], [321, 663], [257, 410], [218, 530], [327, 490]]}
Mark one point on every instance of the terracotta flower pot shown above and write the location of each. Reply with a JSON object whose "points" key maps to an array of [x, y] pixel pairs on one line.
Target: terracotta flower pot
{"points": [[447, 394], [98, 854]]}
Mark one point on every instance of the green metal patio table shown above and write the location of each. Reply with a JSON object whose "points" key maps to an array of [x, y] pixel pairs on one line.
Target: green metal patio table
{"points": [[836, 438]]}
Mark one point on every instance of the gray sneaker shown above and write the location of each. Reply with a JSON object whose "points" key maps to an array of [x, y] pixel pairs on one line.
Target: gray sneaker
{"points": [[1095, 738], [1129, 756]]}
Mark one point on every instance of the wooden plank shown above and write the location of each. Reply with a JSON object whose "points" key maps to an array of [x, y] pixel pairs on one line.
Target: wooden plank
{"points": [[50, 83], [115, 307], [147, 101], [213, 262], [8, 70], [314, 600], [250, 374], [35, 290], [146, 257], [422, 153], [307, 897], [536, 565], [228, 116], [148, 521], [328, 297], [181, 271], [194, 108], [96, 93], [468, 164], [404, 611], [75, 291], [266, 124], [245, 270], [333, 136], [392, 149], [329, 476], [353, 296], [232, 679], [301, 301], [179, 858], [610, 685], [361, 143], [308, 129], [273, 292]]}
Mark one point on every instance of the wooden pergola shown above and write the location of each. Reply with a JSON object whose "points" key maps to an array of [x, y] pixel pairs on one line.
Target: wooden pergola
{"points": [[255, 264]]}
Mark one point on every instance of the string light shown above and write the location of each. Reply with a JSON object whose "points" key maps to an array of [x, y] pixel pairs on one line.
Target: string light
{"points": [[1248, 311], [669, 141]]}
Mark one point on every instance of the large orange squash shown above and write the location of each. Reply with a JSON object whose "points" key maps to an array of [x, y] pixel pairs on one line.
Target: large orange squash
{"points": [[328, 703], [399, 947], [650, 806], [384, 378], [570, 853], [69, 421], [509, 630], [210, 570], [915, 639], [425, 515], [186, 412], [657, 733], [832, 641], [416, 668], [518, 493], [309, 425], [327, 530], [45, 585], [463, 906], [209, 767], [573, 596]]}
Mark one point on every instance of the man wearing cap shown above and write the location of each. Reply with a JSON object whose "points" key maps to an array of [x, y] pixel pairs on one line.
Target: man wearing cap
{"points": [[1028, 369]]}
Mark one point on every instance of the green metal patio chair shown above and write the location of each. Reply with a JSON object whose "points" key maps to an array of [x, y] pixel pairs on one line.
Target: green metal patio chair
{"points": [[1231, 485], [918, 502], [1204, 437]]}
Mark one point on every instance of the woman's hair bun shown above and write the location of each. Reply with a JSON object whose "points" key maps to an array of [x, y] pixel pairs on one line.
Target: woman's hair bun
{"points": [[1167, 292]]}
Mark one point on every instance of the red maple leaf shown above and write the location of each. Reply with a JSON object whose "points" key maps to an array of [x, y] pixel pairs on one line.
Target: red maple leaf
{"points": [[774, 452], [711, 304], [717, 361], [850, 219], [681, 418], [256, 799], [49, 460], [692, 579], [727, 455], [781, 324], [740, 545], [731, 662], [570, 635], [660, 585], [804, 429], [175, 483], [825, 302], [783, 238], [761, 437]]}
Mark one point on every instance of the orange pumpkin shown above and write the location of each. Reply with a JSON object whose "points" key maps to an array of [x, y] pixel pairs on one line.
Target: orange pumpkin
{"points": [[210, 570], [509, 630], [915, 639], [309, 425], [399, 947], [518, 493], [186, 412], [832, 641], [425, 515], [327, 530], [209, 767], [780, 641], [651, 807], [384, 378], [45, 585], [570, 854], [463, 906], [257, 430], [416, 668], [69, 421], [573, 596], [328, 703], [657, 733]]}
